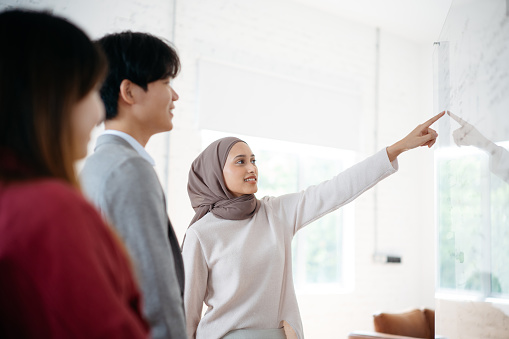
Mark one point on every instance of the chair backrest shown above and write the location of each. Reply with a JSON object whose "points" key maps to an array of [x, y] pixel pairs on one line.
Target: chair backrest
{"points": [[430, 315], [416, 323]]}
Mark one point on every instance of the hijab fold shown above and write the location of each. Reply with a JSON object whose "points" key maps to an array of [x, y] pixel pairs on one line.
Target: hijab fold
{"points": [[207, 189]]}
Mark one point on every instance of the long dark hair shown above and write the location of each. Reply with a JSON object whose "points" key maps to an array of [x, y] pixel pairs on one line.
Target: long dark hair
{"points": [[47, 65]]}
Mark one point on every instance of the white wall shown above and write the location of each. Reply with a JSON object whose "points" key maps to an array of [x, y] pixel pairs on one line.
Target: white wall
{"points": [[292, 40]]}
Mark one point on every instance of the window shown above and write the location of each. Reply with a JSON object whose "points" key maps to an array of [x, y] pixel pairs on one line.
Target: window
{"points": [[473, 220], [322, 251]]}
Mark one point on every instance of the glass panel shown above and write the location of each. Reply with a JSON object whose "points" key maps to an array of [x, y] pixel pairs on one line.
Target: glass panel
{"points": [[499, 237], [472, 159], [460, 216]]}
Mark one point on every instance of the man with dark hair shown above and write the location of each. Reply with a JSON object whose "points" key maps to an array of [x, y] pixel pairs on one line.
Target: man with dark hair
{"points": [[119, 177]]}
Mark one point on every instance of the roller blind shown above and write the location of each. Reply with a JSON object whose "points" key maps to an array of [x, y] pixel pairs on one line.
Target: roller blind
{"points": [[245, 101]]}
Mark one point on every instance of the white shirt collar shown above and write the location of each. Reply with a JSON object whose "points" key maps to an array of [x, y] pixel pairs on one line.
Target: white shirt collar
{"points": [[134, 143]]}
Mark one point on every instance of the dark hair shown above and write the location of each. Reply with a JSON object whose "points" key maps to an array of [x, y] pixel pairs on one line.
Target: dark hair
{"points": [[139, 57], [47, 65]]}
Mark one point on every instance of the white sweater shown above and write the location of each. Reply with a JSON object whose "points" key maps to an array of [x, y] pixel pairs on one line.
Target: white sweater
{"points": [[242, 269]]}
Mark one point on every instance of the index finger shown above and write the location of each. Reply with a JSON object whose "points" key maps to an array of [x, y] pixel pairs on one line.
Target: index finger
{"points": [[457, 118], [432, 120]]}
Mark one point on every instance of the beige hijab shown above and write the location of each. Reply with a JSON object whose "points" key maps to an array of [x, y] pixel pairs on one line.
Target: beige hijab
{"points": [[207, 189]]}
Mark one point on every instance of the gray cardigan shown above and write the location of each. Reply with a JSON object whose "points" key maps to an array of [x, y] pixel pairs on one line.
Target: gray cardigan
{"points": [[125, 188]]}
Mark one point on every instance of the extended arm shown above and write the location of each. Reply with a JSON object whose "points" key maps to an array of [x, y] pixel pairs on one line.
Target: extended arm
{"points": [[422, 135], [300, 209], [468, 135]]}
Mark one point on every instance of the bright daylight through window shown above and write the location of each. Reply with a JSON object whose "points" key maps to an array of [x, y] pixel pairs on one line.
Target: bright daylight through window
{"points": [[472, 224]]}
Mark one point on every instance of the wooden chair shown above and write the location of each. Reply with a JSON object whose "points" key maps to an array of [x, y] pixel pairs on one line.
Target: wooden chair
{"points": [[418, 323]]}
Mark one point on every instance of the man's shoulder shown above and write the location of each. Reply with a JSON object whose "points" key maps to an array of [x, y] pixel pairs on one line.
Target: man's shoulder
{"points": [[110, 148], [114, 165], [114, 156], [135, 169]]}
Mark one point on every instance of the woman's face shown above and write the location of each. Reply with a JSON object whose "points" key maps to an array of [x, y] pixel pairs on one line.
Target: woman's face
{"points": [[86, 114], [240, 172]]}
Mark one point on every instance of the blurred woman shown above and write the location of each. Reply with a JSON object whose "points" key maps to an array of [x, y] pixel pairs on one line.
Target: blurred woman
{"points": [[63, 273]]}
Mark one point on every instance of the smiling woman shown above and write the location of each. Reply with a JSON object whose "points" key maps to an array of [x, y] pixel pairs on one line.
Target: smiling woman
{"points": [[240, 171], [237, 251]]}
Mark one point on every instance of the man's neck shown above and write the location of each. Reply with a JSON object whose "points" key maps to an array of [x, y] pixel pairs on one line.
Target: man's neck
{"points": [[137, 134]]}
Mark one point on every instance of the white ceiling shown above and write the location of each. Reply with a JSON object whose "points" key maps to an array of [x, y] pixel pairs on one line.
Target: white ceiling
{"points": [[418, 20]]}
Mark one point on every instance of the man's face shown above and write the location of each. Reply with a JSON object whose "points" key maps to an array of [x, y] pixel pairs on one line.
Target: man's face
{"points": [[157, 104]]}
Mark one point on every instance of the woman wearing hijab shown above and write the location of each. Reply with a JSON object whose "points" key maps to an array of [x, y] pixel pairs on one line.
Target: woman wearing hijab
{"points": [[237, 250], [63, 273]]}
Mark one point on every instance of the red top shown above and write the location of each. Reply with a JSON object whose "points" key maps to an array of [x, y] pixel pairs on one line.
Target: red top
{"points": [[62, 271]]}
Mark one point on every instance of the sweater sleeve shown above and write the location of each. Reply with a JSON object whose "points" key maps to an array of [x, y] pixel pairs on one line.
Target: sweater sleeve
{"points": [[134, 203], [196, 270], [499, 162], [300, 209], [63, 274]]}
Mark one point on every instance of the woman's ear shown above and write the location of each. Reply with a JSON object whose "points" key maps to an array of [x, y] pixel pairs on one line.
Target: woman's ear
{"points": [[126, 91]]}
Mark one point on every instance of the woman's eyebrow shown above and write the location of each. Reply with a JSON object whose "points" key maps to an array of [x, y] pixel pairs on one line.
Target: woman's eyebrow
{"points": [[242, 156]]}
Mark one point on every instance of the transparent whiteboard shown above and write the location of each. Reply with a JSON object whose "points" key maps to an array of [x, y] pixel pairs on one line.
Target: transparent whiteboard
{"points": [[471, 79]]}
